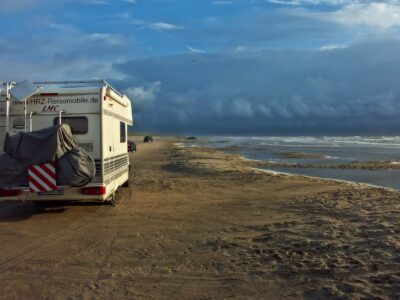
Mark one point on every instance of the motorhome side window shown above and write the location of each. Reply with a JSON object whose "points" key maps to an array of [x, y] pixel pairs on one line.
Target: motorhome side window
{"points": [[122, 132], [79, 125]]}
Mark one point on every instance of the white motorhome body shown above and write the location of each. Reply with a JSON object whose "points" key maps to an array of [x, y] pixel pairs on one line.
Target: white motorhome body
{"points": [[98, 116]]}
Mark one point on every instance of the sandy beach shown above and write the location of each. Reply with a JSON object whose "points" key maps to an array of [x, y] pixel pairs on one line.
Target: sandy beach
{"points": [[197, 223]]}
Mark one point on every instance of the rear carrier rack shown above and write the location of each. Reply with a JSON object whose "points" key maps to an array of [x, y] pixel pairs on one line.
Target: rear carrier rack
{"points": [[79, 83]]}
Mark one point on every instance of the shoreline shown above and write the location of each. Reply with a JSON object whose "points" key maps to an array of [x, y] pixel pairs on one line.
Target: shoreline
{"points": [[349, 182], [356, 165], [246, 160], [260, 164]]}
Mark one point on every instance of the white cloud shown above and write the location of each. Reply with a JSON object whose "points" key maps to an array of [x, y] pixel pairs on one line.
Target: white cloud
{"points": [[241, 108], [300, 2], [99, 2], [195, 50], [332, 47], [373, 15], [92, 68], [143, 97], [222, 2], [381, 15], [246, 49], [164, 26], [264, 110], [283, 2], [108, 38], [62, 27], [326, 2]]}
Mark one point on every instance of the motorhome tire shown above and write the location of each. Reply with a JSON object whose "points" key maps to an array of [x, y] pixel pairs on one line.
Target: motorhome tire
{"points": [[125, 184], [111, 200]]}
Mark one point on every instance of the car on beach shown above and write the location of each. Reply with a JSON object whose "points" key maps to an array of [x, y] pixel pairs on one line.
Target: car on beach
{"points": [[148, 139], [131, 146]]}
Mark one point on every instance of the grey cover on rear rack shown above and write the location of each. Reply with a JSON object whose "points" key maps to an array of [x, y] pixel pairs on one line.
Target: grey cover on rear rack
{"points": [[13, 173], [41, 146], [76, 168], [54, 144]]}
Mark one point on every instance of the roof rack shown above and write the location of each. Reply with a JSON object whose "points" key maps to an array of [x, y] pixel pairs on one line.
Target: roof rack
{"points": [[103, 82]]}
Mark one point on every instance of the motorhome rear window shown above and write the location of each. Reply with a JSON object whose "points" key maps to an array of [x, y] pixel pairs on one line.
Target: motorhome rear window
{"points": [[79, 125], [122, 131]]}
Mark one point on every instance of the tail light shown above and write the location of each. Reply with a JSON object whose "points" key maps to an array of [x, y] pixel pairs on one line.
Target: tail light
{"points": [[93, 190], [9, 193]]}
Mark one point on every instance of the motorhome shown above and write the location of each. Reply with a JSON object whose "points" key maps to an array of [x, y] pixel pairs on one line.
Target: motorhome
{"points": [[98, 116]]}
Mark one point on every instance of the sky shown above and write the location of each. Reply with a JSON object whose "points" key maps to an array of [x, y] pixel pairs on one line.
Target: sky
{"points": [[220, 67]]}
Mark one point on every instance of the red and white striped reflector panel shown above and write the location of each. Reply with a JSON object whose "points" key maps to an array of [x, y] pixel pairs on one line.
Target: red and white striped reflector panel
{"points": [[42, 178]]}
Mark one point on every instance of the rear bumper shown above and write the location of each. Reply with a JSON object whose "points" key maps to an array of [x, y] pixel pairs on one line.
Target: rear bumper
{"points": [[66, 194]]}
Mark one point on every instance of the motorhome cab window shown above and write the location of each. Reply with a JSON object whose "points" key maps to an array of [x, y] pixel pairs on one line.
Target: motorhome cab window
{"points": [[122, 131], [79, 125]]}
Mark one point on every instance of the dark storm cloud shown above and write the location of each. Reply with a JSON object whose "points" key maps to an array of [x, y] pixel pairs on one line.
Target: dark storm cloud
{"points": [[351, 90]]}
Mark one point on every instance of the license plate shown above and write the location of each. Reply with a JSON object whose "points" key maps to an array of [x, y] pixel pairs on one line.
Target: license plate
{"points": [[52, 193]]}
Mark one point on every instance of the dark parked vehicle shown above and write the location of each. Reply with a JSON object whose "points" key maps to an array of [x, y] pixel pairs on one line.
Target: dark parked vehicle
{"points": [[148, 139], [131, 146]]}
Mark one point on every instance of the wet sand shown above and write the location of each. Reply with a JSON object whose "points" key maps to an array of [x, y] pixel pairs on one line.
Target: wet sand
{"points": [[365, 165], [299, 155], [202, 224]]}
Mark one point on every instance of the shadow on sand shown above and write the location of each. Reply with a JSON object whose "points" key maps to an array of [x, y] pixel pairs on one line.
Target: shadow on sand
{"points": [[19, 211]]}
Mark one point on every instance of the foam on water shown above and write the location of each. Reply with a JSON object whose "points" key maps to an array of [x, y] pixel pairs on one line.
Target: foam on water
{"points": [[333, 150]]}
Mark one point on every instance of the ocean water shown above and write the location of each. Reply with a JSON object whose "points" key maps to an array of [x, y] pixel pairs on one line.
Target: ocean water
{"points": [[332, 150]]}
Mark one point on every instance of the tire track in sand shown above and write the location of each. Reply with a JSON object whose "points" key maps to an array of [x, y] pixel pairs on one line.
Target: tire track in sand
{"points": [[19, 256]]}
